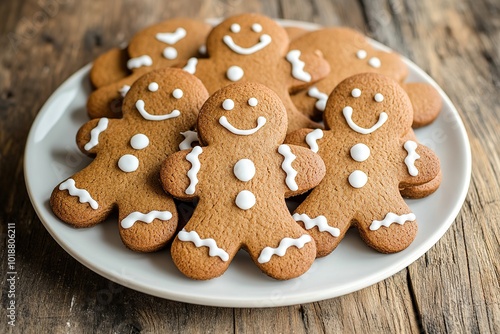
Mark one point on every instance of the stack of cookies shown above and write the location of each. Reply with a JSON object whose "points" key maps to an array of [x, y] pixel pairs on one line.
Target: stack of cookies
{"points": [[239, 117]]}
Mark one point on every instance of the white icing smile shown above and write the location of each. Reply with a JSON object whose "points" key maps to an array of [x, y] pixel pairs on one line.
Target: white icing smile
{"points": [[140, 107], [382, 118], [225, 123], [264, 41]]}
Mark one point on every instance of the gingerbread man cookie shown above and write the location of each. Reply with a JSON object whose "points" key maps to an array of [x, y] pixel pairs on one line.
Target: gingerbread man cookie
{"points": [[241, 176], [109, 67], [128, 153], [348, 52], [167, 44], [369, 153], [253, 47]]}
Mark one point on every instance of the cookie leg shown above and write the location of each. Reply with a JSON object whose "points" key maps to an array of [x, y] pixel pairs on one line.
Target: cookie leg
{"points": [[147, 221], [389, 227], [325, 220], [203, 250], [78, 204], [283, 253]]}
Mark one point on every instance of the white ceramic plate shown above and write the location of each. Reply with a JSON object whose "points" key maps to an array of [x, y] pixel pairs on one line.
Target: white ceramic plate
{"points": [[51, 156]]}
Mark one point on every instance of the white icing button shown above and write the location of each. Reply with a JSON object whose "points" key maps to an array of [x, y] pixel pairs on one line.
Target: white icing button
{"points": [[234, 73], [139, 141], [361, 54], [235, 27], [170, 52], [153, 87], [358, 179], [252, 102], [360, 152], [256, 27], [228, 104], [356, 92], [245, 200], [203, 49], [244, 170], [379, 97], [128, 163], [177, 93], [374, 62]]}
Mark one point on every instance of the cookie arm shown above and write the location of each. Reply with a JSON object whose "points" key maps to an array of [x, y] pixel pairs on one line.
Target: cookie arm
{"points": [[298, 137], [420, 163], [179, 174], [305, 69], [91, 134], [308, 167], [109, 67], [426, 102]]}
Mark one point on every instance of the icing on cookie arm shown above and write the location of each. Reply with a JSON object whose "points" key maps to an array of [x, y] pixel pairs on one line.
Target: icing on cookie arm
{"points": [[307, 138], [310, 170], [314, 65], [419, 163], [179, 171], [91, 134]]}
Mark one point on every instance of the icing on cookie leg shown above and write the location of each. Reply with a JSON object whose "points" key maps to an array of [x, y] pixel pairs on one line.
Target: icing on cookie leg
{"points": [[285, 243], [135, 216], [82, 194], [193, 237]]}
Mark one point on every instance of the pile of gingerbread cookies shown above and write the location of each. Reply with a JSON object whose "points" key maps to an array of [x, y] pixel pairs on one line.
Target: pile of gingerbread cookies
{"points": [[237, 118]]}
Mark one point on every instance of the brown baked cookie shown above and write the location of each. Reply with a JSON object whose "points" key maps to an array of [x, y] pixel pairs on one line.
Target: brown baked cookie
{"points": [[348, 52], [109, 67], [369, 153], [295, 32], [128, 154], [426, 102], [241, 175], [421, 190], [166, 44], [253, 47]]}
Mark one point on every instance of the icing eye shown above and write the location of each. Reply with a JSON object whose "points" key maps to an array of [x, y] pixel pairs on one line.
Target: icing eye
{"points": [[153, 87], [374, 62], [256, 27], [228, 104], [252, 102], [177, 93], [379, 97], [235, 27], [361, 54], [356, 92]]}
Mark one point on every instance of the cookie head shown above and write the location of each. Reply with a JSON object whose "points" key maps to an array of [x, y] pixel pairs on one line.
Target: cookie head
{"points": [[366, 59], [168, 94], [243, 112], [247, 35], [368, 104], [167, 43]]}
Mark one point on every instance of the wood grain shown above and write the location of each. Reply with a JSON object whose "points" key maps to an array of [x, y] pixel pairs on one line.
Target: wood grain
{"points": [[453, 288]]}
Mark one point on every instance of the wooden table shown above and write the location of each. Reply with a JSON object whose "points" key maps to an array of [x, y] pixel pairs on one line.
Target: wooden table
{"points": [[452, 288]]}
